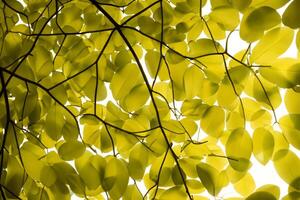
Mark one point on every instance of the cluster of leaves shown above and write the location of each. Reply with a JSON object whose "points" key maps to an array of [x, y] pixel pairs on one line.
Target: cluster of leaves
{"points": [[100, 96]]}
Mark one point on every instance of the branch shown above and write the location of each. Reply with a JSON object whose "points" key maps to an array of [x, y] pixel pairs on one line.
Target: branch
{"points": [[118, 28]]}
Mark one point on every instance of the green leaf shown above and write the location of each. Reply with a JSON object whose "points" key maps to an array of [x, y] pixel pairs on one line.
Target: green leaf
{"points": [[123, 81], [273, 4], [239, 148], [115, 177], [91, 169], [136, 98], [192, 77], [261, 195], [152, 60], [272, 189], [286, 77], [70, 19], [213, 121], [132, 193], [291, 101], [240, 4], [290, 16], [298, 40], [211, 179], [138, 161], [193, 108], [13, 179], [263, 145], [226, 16], [263, 18], [283, 160], [177, 176], [122, 58], [256, 21], [71, 150], [148, 25], [32, 165], [272, 44], [48, 176], [54, 123], [174, 193], [291, 129], [264, 92], [197, 47], [245, 185], [291, 196]]}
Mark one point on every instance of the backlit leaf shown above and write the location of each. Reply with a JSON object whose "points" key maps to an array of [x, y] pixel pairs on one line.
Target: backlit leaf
{"points": [[272, 45], [210, 178], [239, 148], [290, 16], [263, 145]]}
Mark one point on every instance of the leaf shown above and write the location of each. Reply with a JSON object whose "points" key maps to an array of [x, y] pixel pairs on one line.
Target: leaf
{"points": [[239, 148], [270, 3], [210, 178], [70, 18], [71, 150], [124, 80], [177, 175], [122, 58], [115, 177], [283, 159], [256, 21], [291, 129], [245, 185], [263, 145], [91, 169], [166, 171], [152, 60], [261, 195], [192, 77], [193, 108], [213, 121], [291, 101], [55, 123], [48, 176], [174, 193], [32, 165], [138, 161], [120, 99], [240, 5], [226, 96], [136, 98], [226, 16], [13, 179], [148, 25], [290, 16], [68, 175], [271, 45], [264, 92], [132, 193], [286, 77], [272, 189], [197, 47], [298, 40], [195, 186], [267, 16], [291, 196]]}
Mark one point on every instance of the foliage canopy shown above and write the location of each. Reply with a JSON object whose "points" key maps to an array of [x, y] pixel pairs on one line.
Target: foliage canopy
{"points": [[99, 97]]}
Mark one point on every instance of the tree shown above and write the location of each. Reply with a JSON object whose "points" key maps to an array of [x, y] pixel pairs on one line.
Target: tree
{"points": [[99, 97]]}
